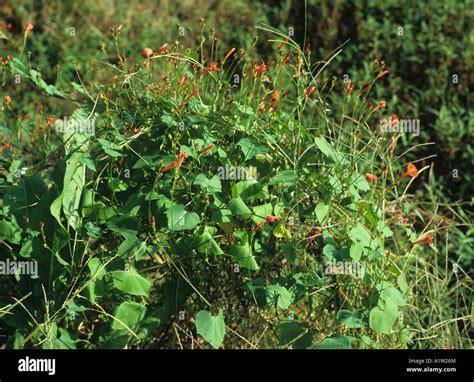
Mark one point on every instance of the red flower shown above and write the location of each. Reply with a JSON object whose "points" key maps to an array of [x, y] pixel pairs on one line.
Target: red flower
{"points": [[380, 105], [411, 171], [382, 73], [260, 69], [147, 52], [206, 149], [228, 54], [427, 240], [170, 166], [285, 59], [349, 87], [283, 44], [310, 90], [181, 158], [212, 68], [7, 100], [269, 219], [272, 218], [4, 147], [371, 177], [273, 105], [162, 48]]}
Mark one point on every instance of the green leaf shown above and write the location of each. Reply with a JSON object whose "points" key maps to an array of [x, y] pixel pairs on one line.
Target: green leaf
{"points": [[128, 313], [280, 295], [382, 320], [286, 177], [76, 145], [10, 231], [251, 149], [350, 320], [249, 189], [356, 251], [206, 244], [360, 182], [329, 151], [289, 330], [242, 254], [131, 282], [261, 212], [211, 328], [212, 185], [360, 234], [393, 295], [321, 211], [382, 227], [179, 219], [238, 207], [340, 342], [49, 89]]}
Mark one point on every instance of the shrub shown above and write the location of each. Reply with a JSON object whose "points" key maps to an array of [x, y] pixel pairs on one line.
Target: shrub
{"points": [[224, 199]]}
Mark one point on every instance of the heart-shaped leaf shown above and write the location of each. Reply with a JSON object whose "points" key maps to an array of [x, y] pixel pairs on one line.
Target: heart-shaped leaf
{"points": [[131, 283], [179, 219], [212, 328]]}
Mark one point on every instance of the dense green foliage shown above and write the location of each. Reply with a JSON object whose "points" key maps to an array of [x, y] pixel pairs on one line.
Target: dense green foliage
{"points": [[204, 199]]}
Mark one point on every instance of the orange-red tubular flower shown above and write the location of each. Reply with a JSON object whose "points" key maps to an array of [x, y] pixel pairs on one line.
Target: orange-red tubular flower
{"points": [[371, 177], [285, 59], [272, 218], [380, 105], [427, 240], [162, 48], [181, 158], [212, 68], [382, 73], [269, 219], [170, 166], [273, 105], [206, 149], [310, 90], [260, 69], [229, 53], [147, 52], [411, 171], [349, 87], [283, 44]]}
